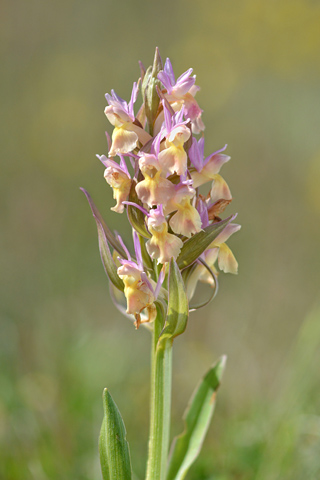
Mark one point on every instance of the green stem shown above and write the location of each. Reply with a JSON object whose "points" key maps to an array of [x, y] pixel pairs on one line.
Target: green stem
{"points": [[161, 372]]}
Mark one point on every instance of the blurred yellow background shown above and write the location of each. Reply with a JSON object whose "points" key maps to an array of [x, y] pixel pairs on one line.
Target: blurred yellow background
{"points": [[62, 340]]}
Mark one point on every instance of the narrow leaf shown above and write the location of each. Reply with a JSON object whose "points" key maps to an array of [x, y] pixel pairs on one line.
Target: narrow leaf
{"points": [[197, 244], [105, 254], [135, 216], [107, 260], [145, 255], [110, 236], [113, 446], [178, 308], [186, 447]]}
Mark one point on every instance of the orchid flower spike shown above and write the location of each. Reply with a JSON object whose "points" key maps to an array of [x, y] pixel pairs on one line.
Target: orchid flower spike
{"points": [[156, 181]]}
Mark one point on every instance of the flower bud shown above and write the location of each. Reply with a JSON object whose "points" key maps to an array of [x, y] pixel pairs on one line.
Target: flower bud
{"points": [[149, 92]]}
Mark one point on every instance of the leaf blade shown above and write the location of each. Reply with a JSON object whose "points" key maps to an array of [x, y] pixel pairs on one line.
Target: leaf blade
{"points": [[113, 446], [108, 233], [107, 260], [178, 306], [186, 446]]}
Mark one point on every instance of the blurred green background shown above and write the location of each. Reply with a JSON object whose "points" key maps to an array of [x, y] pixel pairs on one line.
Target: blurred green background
{"points": [[61, 338]]}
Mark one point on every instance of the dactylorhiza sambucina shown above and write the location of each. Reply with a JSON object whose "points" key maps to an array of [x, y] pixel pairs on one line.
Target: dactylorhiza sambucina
{"points": [[155, 167]]}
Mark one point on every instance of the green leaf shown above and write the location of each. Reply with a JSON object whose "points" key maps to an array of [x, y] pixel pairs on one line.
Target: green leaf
{"points": [[110, 236], [197, 244], [148, 263], [107, 260], [113, 446], [150, 96], [105, 254], [186, 447], [136, 216], [178, 308]]}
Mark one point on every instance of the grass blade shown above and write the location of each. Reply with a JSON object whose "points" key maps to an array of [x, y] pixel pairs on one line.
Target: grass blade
{"points": [[186, 447]]}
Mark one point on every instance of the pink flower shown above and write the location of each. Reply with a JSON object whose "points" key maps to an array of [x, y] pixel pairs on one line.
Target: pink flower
{"points": [[126, 134], [173, 158], [186, 221], [218, 251], [163, 245], [181, 93], [118, 177], [138, 288], [155, 189], [208, 168]]}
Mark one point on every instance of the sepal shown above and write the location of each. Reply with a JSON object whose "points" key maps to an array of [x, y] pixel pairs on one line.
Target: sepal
{"points": [[186, 447], [113, 445]]}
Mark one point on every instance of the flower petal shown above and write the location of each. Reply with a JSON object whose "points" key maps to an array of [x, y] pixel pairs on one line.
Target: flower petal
{"points": [[173, 159], [219, 189], [226, 233], [123, 141], [226, 260], [186, 221]]}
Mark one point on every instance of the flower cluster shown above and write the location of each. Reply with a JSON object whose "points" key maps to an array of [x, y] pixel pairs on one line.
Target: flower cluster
{"points": [[157, 178]]}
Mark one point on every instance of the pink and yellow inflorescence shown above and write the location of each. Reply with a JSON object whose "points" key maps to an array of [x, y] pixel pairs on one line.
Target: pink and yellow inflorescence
{"points": [[157, 165]]}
